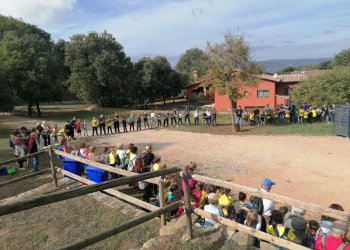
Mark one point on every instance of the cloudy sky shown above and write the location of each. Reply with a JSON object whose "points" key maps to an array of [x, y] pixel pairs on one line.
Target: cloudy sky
{"points": [[274, 28]]}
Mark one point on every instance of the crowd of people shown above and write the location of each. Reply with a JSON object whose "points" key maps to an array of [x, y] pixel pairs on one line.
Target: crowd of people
{"points": [[255, 212], [282, 115]]}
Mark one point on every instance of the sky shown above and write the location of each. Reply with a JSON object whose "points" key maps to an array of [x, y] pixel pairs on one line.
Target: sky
{"points": [[275, 29]]}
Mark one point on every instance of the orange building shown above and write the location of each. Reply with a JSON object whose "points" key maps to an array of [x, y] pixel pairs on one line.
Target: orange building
{"points": [[272, 90]]}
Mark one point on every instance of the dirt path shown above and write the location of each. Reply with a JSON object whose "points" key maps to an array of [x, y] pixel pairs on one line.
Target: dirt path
{"points": [[314, 169]]}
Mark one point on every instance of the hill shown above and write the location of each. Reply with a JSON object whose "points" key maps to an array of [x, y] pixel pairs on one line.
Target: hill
{"points": [[273, 66]]}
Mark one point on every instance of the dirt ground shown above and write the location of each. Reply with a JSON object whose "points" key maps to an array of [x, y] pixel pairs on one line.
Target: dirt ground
{"points": [[312, 169]]}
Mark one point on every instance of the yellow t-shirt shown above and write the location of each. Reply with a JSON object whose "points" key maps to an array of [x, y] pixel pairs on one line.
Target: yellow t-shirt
{"points": [[109, 123], [314, 113], [251, 116], [111, 158], [225, 200], [306, 114], [288, 114], [290, 235], [204, 195], [301, 112], [156, 167], [94, 123]]}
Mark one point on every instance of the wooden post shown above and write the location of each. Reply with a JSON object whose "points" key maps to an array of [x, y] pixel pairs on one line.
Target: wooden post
{"points": [[53, 169], [187, 198], [118, 229], [162, 202]]}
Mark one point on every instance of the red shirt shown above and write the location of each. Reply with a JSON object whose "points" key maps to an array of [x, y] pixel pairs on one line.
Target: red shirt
{"points": [[332, 243], [78, 126]]}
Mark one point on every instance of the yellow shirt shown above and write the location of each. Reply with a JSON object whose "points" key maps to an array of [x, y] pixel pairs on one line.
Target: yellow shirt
{"points": [[204, 195], [111, 158], [290, 235], [156, 167], [301, 112], [94, 123], [314, 113], [306, 114], [251, 116], [287, 114], [225, 200], [275, 114], [109, 123]]}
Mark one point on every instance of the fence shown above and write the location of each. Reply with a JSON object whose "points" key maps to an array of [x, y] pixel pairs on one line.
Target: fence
{"points": [[108, 186]]}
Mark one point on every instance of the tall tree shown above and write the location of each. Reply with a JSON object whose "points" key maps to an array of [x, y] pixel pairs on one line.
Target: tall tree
{"points": [[331, 87], [342, 58], [27, 61], [193, 64], [100, 70], [231, 68]]}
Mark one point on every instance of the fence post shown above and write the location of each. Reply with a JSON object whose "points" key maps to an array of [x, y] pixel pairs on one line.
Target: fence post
{"points": [[187, 200], [161, 202], [53, 169]]}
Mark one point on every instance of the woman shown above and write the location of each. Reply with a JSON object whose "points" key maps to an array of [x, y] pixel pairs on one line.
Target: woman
{"points": [[20, 149], [131, 122]]}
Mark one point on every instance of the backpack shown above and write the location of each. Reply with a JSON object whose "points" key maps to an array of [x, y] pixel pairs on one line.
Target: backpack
{"points": [[11, 143], [117, 160], [308, 241], [284, 236], [258, 204]]}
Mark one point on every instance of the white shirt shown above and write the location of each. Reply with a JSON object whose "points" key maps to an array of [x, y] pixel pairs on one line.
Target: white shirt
{"points": [[153, 115], [213, 210], [258, 225], [196, 114], [121, 154], [268, 205]]}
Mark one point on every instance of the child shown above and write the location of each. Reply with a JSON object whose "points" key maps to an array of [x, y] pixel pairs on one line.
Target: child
{"points": [[254, 220], [310, 236], [62, 133], [251, 118], [179, 119], [112, 160], [156, 165], [84, 151], [109, 125], [75, 150], [55, 133], [159, 120], [94, 124], [85, 132], [138, 122], [278, 229], [78, 128], [225, 200], [192, 183], [104, 155]]}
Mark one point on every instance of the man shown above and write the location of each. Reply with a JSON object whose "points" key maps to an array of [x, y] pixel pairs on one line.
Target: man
{"points": [[102, 124], [212, 208], [173, 117], [335, 240], [239, 114], [187, 117], [116, 123], [153, 119], [269, 205], [33, 147], [196, 117]]}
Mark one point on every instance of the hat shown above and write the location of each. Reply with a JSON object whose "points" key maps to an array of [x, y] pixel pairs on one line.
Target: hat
{"points": [[339, 226], [267, 182]]}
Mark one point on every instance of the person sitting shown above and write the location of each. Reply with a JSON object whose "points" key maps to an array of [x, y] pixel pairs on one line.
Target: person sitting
{"points": [[310, 236], [211, 208], [295, 221], [333, 241]]}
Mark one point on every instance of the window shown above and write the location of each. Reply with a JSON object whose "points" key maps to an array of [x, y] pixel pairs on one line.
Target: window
{"points": [[263, 93], [245, 94], [286, 91]]}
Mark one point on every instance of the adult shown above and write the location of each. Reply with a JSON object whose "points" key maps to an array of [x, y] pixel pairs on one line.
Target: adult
{"points": [[132, 159], [211, 208], [327, 222], [33, 147], [196, 117], [145, 120], [239, 115], [269, 205], [45, 133], [131, 122], [102, 124], [213, 117], [148, 156], [121, 154], [166, 119], [20, 149], [295, 221], [153, 119], [173, 117], [187, 117], [116, 123], [335, 241]]}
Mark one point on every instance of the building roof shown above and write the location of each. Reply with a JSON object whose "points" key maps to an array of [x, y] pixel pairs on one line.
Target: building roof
{"points": [[296, 76]]}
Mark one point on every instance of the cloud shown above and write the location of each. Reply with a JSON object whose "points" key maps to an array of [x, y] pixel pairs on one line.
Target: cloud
{"points": [[38, 12], [197, 11], [329, 32], [288, 42]]}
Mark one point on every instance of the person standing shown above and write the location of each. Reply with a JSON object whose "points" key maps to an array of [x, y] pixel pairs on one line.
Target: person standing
{"points": [[213, 117], [159, 119], [131, 122], [94, 124], [145, 120], [196, 117], [173, 117], [269, 205], [153, 119], [85, 129], [138, 122], [102, 124], [179, 118], [124, 124], [187, 117], [78, 128], [45, 133], [166, 119], [239, 115], [116, 123], [20, 149], [109, 125]]}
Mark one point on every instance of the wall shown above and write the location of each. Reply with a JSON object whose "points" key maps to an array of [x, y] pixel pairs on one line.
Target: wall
{"points": [[222, 102]]}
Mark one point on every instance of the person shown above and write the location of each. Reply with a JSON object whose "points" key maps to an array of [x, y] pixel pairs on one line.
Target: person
{"points": [[309, 238], [239, 114], [278, 229], [45, 133], [196, 117], [84, 151], [112, 160], [102, 124], [121, 154], [85, 129], [78, 128], [20, 149], [179, 118], [148, 157], [335, 241], [132, 159], [213, 117], [75, 150], [166, 119], [173, 118], [131, 122], [145, 120], [208, 113], [251, 118], [295, 221], [33, 147], [138, 122], [104, 155], [326, 222], [266, 186], [187, 117], [225, 200], [71, 127], [211, 208], [204, 119], [192, 183], [116, 123], [124, 124], [254, 220], [159, 119], [153, 119], [301, 114], [109, 123], [54, 133], [62, 147], [94, 124]]}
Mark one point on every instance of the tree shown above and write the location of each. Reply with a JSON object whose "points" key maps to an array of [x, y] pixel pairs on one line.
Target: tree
{"points": [[342, 58], [328, 88], [100, 70], [27, 61], [287, 70], [325, 65], [193, 61], [230, 68]]}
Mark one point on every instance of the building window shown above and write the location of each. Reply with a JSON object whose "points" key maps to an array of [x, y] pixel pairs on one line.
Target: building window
{"points": [[245, 94], [286, 91], [263, 93]]}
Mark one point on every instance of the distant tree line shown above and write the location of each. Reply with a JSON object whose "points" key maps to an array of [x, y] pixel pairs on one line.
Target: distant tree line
{"points": [[94, 67]]}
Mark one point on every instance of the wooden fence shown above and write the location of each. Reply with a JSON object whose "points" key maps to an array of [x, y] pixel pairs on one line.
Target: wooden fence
{"points": [[108, 186]]}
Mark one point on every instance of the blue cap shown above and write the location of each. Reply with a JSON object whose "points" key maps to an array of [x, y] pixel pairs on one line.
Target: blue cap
{"points": [[267, 182]]}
